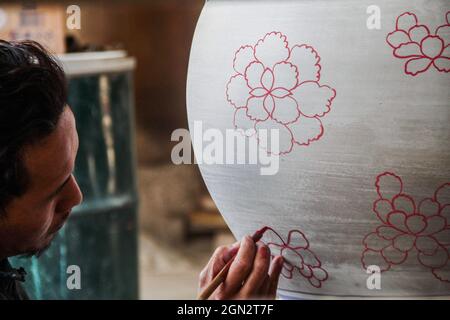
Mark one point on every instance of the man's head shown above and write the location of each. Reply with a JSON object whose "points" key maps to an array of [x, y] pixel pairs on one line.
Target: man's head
{"points": [[38, 146]]}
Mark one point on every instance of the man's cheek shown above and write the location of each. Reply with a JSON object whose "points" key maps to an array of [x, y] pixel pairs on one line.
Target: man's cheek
{"points": [[39, 225]]}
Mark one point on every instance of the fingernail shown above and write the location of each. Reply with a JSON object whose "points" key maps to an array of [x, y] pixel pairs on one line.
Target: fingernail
{"points": [[277, 260], [280, 260]]}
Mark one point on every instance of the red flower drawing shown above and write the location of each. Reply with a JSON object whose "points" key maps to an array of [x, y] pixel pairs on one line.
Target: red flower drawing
{"points": [[409, 229], [298, 258], [420, 47], [277, 87]]}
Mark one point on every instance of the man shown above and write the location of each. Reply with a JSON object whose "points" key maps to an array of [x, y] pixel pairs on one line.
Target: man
{"points": [[38, 147]]}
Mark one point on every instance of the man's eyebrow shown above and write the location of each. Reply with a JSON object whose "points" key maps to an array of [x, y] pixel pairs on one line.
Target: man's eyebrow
{"points": [[58, 190]]}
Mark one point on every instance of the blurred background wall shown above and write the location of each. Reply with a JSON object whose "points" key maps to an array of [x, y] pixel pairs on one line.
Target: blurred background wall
{"points": [[158, 33]]}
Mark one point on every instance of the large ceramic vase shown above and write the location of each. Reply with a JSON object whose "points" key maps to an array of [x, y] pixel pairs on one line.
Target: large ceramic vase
{"points": [[360, 94]]}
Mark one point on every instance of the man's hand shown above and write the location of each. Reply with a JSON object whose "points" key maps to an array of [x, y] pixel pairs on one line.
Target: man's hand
{"points": [[251, 274]]}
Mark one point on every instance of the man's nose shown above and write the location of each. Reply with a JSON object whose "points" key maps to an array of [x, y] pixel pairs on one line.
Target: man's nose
{"points": [[76, 196], [79, 193]]}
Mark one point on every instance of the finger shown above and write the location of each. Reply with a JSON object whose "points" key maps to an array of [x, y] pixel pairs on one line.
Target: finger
{"points": [[274, 275], [240, 268], [259, 272], [206, 273], [263, 292], [267, 288], [222, 258], [218, 260]]}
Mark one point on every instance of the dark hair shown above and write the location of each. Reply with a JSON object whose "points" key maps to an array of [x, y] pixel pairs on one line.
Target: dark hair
{"points": [[33, 94]]}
